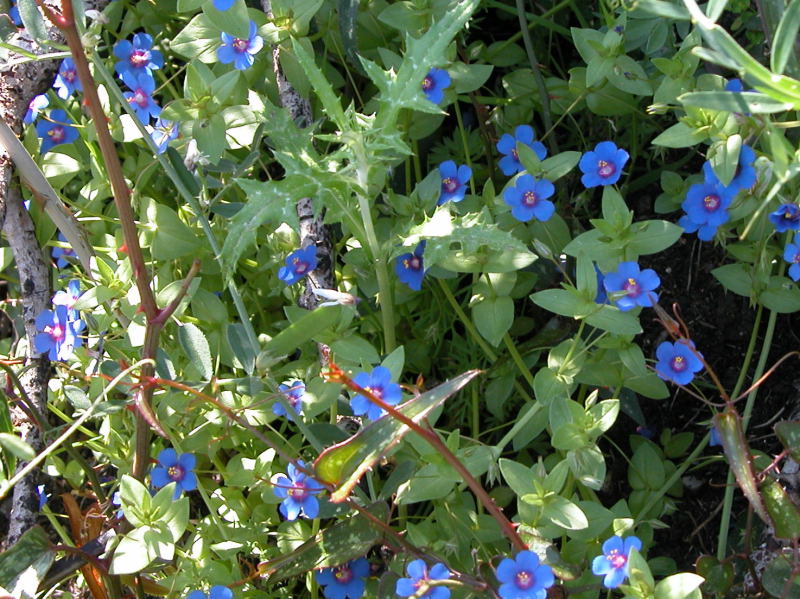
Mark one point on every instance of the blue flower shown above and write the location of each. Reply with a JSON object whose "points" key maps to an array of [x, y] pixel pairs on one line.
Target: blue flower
{"points": [[677, 362], [745, 175], [706, 206], [13, 13], [507, 145], [293, 393], [524, 577], [613, 564], [734, 85], [434, 85], [162, 133], [347, 581], [410, 268], [419, 581], [137, 57], [217, 592], [602, 296], [141, 98], [298, 264], [638, 286], [56, 131], [298, 493], [714, 440], [529, 199], [68, 298], [59, 333], [60, 254], [177, 469], [791, 254], [379, 382], [223, 5], [42, 495], [454, 181], [67, 80], [603, 165], [35, 106], [240, 51], [786, 218]]}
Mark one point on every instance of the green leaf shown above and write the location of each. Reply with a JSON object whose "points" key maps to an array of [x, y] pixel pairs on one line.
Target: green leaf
{"points": [[613, 320], [679, 586], [234, 21], [356, 349], [16, 446], [588, 466], [493, 318], [680, 135], [176, 519], [781, 295], [725, 158], [211, 137], [653, 236], [171, 238], [562, 512], [348, 19], [734, 277], [741, 102], [615, 210], [34, 23], [335, 545], [344, 464], [557, 166], [587, 42], [566, 302], [597, 69], [718, 576], [629, 76], [468, 77], [664, 8], [199, 40], [303, 329], [646, 470], [322, 87], [133, 554], [783, 45], [520, 478], [775, 575], [785, 513], [23, 566], [241, 346], [788, 432], [195, 345]]}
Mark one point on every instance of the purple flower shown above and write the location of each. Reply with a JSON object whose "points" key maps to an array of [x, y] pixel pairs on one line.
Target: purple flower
{"points": [[786, 218], [162, 133], [507, 145], [67, 80], [217, 592], [524, 577], [141, 97], [240, 51], [68, 298], [379, 383], [346, 581], [60, 254], [223, 5], [613, 564], [410, 268], [293, 393], [434, 85], [638, 286], [677, 361], [56, 130], [137, 57], [298, 493], [529, 199], [36, 105], [13, 13], [791, 254], [177, 469], [298, 264], [745, 175], [59, 333], [706, 206], [419, 580], [454, 181], [603, 165]]}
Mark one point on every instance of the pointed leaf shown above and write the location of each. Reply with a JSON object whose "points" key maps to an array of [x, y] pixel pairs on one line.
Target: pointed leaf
{"points": [[344, 464], [24, 565]]}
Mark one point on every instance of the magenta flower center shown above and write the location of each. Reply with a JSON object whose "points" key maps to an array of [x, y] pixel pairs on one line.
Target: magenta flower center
{"points": [[449, 185], [711, 202], [412, 263], [376, 391], [796, 258], [175, 473], [70, 75], [525, 579], [617, 559], [298, 491], [57, 333], [515, 154], [241, 45], [632, 287], [141, 98], [529, 198], [605, 168], [139, 58], [57, 134], [678, 365], [427, 84], [343, 574], [300, 267]]}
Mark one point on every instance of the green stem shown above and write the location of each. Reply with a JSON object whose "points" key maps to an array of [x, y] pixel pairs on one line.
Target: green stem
{"points": [[465, 145], [515, 355], [465, 320], [727, 501]]}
